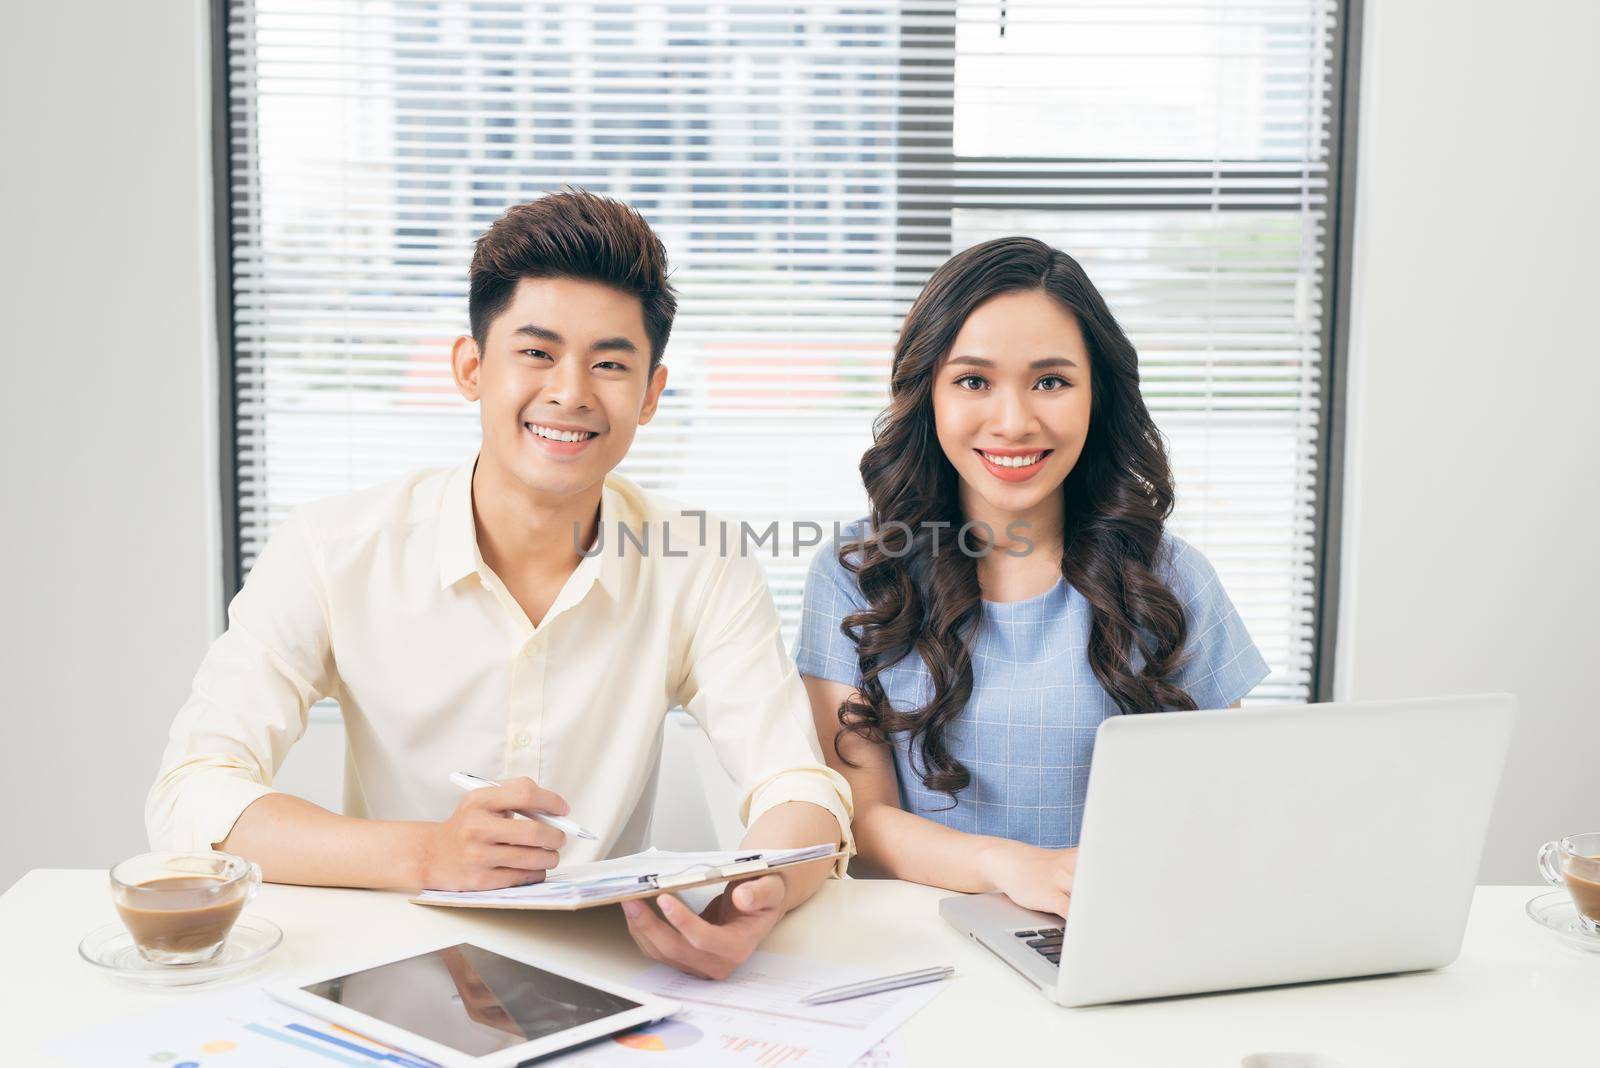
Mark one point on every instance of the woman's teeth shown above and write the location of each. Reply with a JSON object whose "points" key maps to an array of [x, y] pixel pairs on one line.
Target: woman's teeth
{"points": [[560, 435], [1014, 461]]}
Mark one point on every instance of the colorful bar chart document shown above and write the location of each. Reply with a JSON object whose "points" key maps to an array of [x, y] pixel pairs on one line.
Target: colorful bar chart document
{"points": [[241, 1028], [754, 1019]]}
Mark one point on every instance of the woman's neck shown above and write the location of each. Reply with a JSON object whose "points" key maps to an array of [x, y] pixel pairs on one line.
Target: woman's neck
{"points": [[1036, 530], [1025, 559]]}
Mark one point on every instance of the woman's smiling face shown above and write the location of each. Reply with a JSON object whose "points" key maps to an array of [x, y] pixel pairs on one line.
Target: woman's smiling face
{"points": [[1011, 402]]}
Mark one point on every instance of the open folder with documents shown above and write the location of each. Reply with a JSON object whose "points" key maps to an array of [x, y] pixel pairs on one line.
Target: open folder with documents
{"points": [[606, 882]]}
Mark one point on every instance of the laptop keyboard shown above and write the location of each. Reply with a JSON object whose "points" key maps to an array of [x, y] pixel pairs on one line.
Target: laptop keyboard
{"points": [[1046, 941]]}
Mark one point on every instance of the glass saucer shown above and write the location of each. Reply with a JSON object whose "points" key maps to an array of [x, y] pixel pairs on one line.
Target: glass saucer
{"points": [[111, 950], [1556, 912]]}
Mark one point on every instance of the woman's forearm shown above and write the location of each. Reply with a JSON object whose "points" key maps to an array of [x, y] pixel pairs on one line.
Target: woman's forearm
{"points": [[901, 845]]}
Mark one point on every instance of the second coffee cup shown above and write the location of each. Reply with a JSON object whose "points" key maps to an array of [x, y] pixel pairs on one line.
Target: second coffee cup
{"points": [[1573, 864]]}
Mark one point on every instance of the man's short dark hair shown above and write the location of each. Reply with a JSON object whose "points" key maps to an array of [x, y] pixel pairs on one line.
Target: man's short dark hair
{"points": [[572, 234]]}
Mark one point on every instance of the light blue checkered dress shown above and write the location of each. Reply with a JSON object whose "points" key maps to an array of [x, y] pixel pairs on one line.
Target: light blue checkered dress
{"points": [[1027, 733]]}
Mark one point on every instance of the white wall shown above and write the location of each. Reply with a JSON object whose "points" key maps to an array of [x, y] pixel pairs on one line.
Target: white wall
{"points": [[1472, 514], [107, 559]]}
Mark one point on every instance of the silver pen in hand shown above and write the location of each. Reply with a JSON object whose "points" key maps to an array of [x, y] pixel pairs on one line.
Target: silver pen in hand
{"points": [[468, 781], [878, 986]]}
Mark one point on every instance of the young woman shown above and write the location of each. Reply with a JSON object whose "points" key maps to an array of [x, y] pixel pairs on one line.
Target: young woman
{"points": [[1012, 587]]}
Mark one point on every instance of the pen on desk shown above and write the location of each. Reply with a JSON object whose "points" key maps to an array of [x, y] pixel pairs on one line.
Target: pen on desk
{"points": [[468, 781], [878, 986]]}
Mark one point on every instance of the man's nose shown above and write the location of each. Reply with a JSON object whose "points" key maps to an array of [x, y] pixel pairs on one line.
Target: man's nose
{"points": [[567, 384]]}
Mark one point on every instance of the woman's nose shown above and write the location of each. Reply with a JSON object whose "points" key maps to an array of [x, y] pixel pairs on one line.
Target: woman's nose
{"points": [[1013, 416]]}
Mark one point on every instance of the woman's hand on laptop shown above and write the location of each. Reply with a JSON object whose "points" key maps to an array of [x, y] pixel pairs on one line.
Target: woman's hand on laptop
{"points": [[714, 943], [1035, 878], [481, 847]]}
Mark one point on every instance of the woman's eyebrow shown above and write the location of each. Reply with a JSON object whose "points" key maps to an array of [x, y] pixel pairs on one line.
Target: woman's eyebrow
{"points": [[1039, 364]]}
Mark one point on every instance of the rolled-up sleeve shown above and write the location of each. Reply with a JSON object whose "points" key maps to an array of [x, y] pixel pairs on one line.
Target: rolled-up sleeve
{"points": [[249, 701], [742, 688]]}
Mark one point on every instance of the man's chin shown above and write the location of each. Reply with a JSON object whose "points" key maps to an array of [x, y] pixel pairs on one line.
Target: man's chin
{"points": [[540, 471], [560, 478]]}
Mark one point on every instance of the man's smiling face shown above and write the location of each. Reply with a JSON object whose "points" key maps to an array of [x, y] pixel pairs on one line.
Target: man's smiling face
{"points": [[563, 380]]}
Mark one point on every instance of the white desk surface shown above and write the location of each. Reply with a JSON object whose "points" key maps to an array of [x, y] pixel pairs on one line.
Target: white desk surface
{"points": [[1516, 996]]}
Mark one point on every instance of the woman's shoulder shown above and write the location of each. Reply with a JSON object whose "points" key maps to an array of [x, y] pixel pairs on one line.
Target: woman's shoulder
{"points": [[849, 534], [1221, 664], [828, 571], [1183, 567]]}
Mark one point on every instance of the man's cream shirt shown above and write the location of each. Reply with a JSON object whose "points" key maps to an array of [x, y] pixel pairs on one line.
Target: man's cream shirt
{"points": [[381, 601]]}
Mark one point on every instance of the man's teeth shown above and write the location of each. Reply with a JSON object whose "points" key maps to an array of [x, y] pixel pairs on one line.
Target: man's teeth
{"points": [[560, 435], [1014, 461]]}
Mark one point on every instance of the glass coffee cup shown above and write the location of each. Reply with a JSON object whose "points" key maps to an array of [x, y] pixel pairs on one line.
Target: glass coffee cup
{"points": [[179, 907], [1573, 864]]}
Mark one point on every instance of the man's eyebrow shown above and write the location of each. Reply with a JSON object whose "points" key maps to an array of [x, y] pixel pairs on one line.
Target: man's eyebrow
{"points": [[605, 344], [1039, 364], [530, 330]]}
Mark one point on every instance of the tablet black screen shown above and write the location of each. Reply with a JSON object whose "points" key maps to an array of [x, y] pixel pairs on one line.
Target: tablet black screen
{"points": [[471, 999]]}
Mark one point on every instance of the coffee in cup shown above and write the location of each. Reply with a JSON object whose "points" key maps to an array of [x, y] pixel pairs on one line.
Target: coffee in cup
{"points": [[1573, 864], [179, 907]]}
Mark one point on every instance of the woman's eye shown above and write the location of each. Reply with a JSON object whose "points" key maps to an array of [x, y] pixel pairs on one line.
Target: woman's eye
{"points": [[1051, 383], [972, 382]]}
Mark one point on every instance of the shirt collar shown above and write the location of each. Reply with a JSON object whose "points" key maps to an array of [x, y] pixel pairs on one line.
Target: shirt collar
{"points": [[611, 571], [458, 532], [458, 537]]}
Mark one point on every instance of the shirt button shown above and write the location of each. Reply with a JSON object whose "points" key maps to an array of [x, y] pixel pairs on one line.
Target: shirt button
{"points": [[523, 740]]}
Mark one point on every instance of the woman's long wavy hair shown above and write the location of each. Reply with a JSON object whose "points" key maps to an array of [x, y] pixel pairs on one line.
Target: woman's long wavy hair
{"points": [[1116, 502]]}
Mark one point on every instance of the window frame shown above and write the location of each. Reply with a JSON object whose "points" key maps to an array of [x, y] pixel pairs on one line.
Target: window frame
{"points": [[936, 117]]}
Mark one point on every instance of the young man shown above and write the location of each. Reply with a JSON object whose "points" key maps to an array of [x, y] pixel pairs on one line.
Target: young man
{"points": [[459, 626]]}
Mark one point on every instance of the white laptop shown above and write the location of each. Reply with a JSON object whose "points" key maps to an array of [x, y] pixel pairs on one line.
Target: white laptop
{"points": [[1264, 845]]}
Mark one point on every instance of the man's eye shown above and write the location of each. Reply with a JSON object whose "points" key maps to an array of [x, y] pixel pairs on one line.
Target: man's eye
{"points": [[971, 382], [611, 365], [1052, 383], [537, 354]]}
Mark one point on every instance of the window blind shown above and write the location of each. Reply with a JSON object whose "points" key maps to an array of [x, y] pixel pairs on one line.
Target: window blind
{"points": [[807, 165]]}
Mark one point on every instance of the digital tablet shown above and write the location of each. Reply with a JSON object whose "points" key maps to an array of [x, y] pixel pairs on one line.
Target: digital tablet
{"points": [[467, 1006]]}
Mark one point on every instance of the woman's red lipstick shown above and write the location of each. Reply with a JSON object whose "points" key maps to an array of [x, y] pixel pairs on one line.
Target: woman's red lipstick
{"points": [[1013, 474]]}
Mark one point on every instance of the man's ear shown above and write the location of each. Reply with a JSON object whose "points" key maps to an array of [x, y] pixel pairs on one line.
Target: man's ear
{"points": [[465, 360], [652, 393]]}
